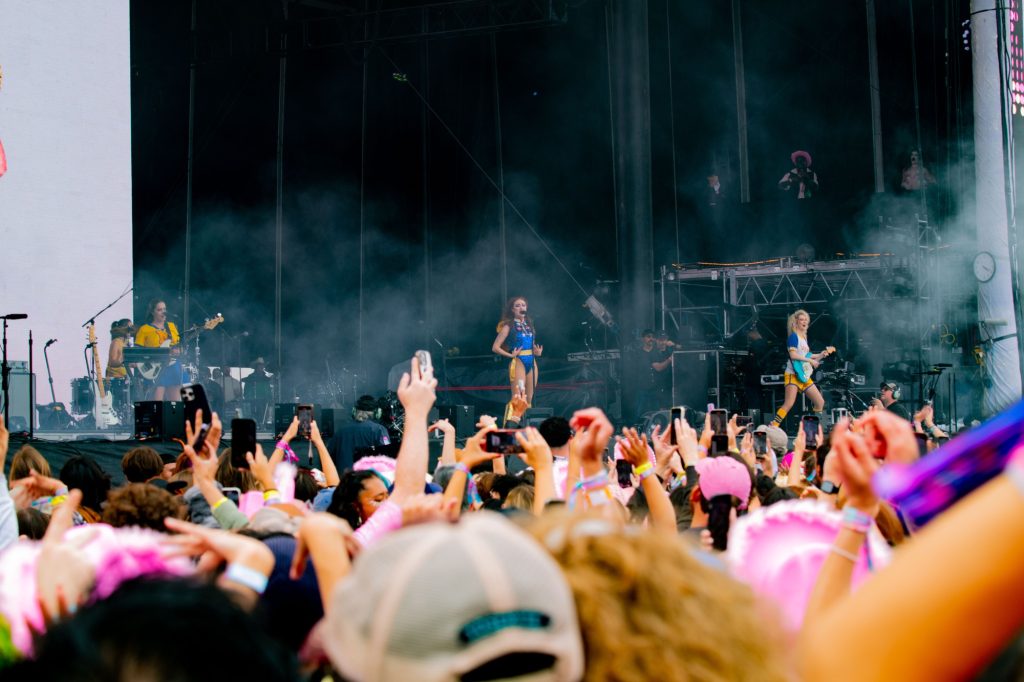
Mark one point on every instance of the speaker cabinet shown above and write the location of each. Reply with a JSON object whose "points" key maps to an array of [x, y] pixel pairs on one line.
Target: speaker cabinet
{"points": [[700, 377], [159, 420], [462, 417]]}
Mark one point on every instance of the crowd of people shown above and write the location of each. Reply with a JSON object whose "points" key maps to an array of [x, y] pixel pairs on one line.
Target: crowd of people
{"points": [[563, 552]]}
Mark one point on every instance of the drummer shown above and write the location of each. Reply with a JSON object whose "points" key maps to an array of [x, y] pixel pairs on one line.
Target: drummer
{"points": [[120, 332]]}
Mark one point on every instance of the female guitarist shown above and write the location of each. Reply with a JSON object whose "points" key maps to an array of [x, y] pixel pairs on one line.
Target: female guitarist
{"points": [[156, 333], [800, 366]]}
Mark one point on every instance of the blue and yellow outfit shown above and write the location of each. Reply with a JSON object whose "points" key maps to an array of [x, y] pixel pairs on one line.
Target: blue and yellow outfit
{"points": [[800, 344], [520, 336]]}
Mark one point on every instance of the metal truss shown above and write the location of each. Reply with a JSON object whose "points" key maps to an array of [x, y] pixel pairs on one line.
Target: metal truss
{"points": [[712, 292]]}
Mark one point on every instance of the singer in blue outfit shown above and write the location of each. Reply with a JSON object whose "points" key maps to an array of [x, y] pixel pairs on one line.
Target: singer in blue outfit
{"points": [[516, 340]]}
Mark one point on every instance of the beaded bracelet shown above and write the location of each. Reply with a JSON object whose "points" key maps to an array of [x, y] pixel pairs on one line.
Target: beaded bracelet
{"points": [[246, 577], [856, 520], [471, 489]]}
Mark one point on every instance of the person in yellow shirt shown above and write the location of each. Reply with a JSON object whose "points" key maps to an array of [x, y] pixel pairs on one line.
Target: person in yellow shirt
{"points": [[156, 333]]}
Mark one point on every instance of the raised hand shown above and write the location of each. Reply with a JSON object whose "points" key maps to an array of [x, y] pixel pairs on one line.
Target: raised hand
{"points": [[416, 390], [445, 426], [634, 447], [519, 404], [596, 432], [64, 576], [474, 454], [689, 446], [855, 466], [428, 508], [261, 467], [889, 437], [292, 431], [536, 451]]}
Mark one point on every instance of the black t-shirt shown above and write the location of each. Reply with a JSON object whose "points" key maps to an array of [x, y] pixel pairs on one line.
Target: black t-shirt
{"points": [[351, 437], [899, 409]]}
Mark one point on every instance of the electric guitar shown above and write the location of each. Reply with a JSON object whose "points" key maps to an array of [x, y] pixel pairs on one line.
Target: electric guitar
{"points": [[103, 402], [150, 370], [804, 369]]}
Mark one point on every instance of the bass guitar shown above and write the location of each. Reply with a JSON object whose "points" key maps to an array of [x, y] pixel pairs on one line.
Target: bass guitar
{"points": [[804, 369], [103, 402], [151, 368]]}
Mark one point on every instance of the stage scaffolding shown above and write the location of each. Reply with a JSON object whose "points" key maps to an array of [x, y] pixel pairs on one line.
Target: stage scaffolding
{"points": [[728, 295]]}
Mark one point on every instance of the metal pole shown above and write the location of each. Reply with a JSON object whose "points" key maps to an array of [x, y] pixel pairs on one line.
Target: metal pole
{"points": [[32, 390], [362, 212], [741, 101], [425, 161], [996, 297], [501, 173], [189, 165], [873, 91], [279, 217]]}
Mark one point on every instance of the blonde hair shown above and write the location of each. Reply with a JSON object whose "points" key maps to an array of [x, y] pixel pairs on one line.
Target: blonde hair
{"points": [[792, 319], [27, 459], [520, 497], [649, 609]]}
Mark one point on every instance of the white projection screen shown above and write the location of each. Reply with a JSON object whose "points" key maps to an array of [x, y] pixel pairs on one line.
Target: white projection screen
{"points": [[66, 198]]}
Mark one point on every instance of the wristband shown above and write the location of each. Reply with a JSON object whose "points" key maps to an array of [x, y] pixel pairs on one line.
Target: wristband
{"points": [[289, 454], [58, 500], [216, 505], [856, 520], [645, 470], [246, 577], [270, 494], [471, 489], [597, 484], [703, 450], [843, 553]]}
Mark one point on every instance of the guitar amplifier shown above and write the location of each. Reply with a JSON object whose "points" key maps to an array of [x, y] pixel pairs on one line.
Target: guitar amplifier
{"points": [[159, 420]]}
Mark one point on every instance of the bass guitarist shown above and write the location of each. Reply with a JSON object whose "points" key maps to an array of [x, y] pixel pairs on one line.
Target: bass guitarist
{"points": [[800, 366], [159, 332]]}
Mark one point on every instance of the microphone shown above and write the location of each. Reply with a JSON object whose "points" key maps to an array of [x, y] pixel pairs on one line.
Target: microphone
{"points": [[50, 343], [14, 316]]}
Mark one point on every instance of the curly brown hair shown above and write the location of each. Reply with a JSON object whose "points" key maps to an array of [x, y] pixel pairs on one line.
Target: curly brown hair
{"points": [[649, 609], [141, 464], [141, 504]]}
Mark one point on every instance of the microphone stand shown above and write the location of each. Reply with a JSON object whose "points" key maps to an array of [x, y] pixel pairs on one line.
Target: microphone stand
{"points": [[5, 372], [31, 391], [108, 307], [49, 376]]}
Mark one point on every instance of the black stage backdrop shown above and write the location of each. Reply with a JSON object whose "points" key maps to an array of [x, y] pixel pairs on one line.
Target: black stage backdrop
{"points": [[391, 227]]}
